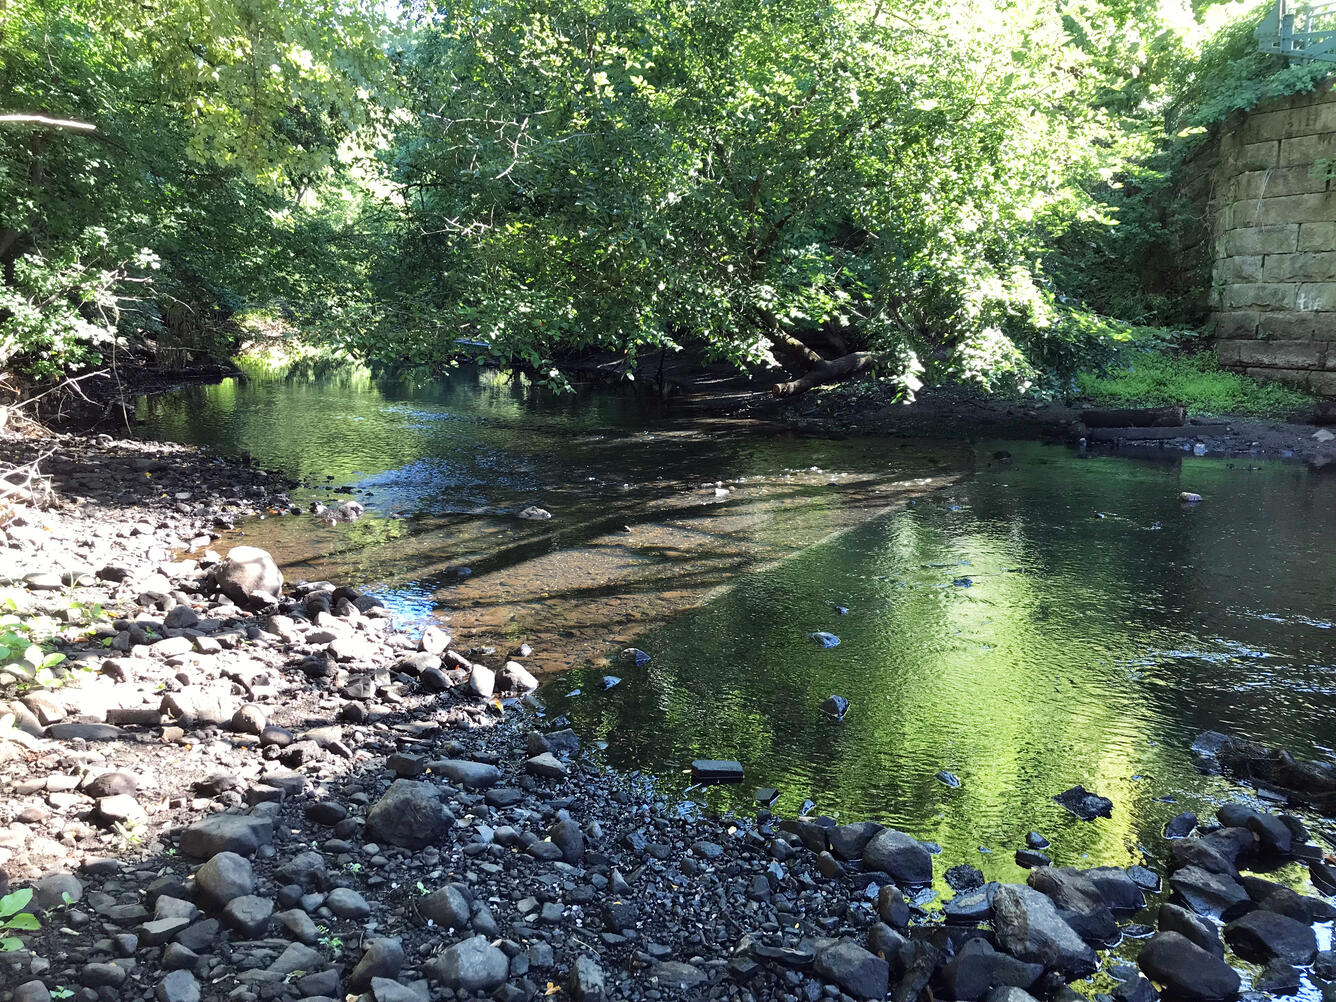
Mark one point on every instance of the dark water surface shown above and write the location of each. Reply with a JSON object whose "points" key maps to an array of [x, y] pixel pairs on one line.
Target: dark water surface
{"points": [[1026, 624]]}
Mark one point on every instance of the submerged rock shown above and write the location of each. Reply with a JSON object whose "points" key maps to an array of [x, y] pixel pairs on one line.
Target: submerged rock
{"points": [[1085, 805], [636, 656], [535, 514], [949, 779], [823, 639]]}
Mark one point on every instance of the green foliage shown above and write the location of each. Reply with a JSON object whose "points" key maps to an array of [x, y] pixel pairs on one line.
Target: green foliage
{"points": [[14, 916], [1157, 379], [175, 189]]}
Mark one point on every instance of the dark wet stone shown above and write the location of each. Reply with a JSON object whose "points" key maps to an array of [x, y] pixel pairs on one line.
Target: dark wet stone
{"points": [[847, 842], [971, 907], [326, 812], [823, 639], [474, 965], [1085, 805], [1200, 931], [1186, 970], [711, 770], [1206, 893], [1278, 978], [1029, 928], [900, 855], [854, 970], [964, 878], [178, 986], [1036, 841], [892, 907], [84, 732], [1262, 936], [1078, 901], [1135, 989], [977, 968], [447, 907], [249, 915], [1030, 858], [1180, 826], [1144, 878]]}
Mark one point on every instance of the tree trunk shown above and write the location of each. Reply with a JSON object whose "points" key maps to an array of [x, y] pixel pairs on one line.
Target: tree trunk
{"points": [[828, 372]]}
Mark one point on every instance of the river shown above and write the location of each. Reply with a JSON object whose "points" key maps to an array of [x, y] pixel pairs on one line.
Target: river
{"points": [[1020, 615]]}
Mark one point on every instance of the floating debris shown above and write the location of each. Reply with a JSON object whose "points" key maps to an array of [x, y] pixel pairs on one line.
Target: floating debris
{"points": [[635, 656], [573, 693], [950, 779], [963, 582], [835, 707], [1187, 497], [610, 680]]}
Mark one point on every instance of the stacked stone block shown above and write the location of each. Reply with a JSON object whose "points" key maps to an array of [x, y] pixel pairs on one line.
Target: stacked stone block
{"points": [[1272, 224]]}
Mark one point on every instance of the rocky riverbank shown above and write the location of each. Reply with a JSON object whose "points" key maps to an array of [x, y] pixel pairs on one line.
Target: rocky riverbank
{"points": [[242, 788]]}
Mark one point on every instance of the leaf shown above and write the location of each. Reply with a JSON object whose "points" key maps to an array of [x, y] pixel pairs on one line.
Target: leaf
{"points": [[23, 920], [51, 660], [15, 901], [10, 943]]}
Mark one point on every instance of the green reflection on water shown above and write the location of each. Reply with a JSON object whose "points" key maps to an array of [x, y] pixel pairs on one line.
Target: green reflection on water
{"points": [[1054, 621]]}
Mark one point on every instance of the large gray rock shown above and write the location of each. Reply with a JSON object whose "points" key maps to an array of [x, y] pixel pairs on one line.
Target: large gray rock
{"points": [[1029, 928], [239, 833], [383, 958], [470, 775], [247, 571], [1185, 970], [446, 908], [1206, 893], [225, 876], [587, 981], [1263, 936], [514, 677], [410, 814], [849, 966], [1078, 900], [474, 965], [900, 855]]}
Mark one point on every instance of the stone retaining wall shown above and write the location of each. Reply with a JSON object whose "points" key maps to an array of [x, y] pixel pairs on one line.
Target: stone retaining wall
{"points": [[1271, 219]]}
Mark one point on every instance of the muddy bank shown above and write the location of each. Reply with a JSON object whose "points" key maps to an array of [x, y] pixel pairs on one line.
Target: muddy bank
{"points": [[248, 789], [956, 412]]}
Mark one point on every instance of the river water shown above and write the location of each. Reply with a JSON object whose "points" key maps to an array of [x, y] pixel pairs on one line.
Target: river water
{"points": [[1022, 616]]}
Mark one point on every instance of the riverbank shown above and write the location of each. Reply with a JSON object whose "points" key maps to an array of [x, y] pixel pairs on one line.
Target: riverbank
{"points": [[287, 798], [963, 412]]}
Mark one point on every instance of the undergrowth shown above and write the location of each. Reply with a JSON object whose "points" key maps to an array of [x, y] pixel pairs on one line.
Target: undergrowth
{"points": [[1159, 379]]}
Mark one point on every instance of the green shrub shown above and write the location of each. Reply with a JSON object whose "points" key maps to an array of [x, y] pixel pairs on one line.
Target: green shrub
{"points": [[1158, 379]]}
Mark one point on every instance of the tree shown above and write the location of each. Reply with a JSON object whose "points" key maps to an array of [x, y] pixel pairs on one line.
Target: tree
{"points": [[152, 157]]}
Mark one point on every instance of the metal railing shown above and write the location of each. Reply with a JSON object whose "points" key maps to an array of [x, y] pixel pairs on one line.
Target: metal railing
{"points": [[1304, 33]]}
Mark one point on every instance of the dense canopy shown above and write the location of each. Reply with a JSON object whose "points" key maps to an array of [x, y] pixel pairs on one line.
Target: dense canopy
{"points": [[964, 188]]}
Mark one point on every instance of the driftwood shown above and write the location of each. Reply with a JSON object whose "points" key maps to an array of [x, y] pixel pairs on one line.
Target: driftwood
{"points": [[827, 372], [1146, 417]]}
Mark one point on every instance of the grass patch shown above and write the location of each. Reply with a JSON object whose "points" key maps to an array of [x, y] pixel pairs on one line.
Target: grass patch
{"points": [[1158, 379]]}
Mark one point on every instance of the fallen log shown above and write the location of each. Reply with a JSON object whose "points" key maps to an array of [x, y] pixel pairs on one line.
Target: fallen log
{"points": [[827, 372], [1134, 417]]}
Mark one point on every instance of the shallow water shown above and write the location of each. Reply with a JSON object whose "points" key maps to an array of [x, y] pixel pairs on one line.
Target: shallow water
{"points": [[1027, 622]]}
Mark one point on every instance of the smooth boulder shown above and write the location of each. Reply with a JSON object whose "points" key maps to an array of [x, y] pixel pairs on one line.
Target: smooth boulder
{"points": [[248, 571]]}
